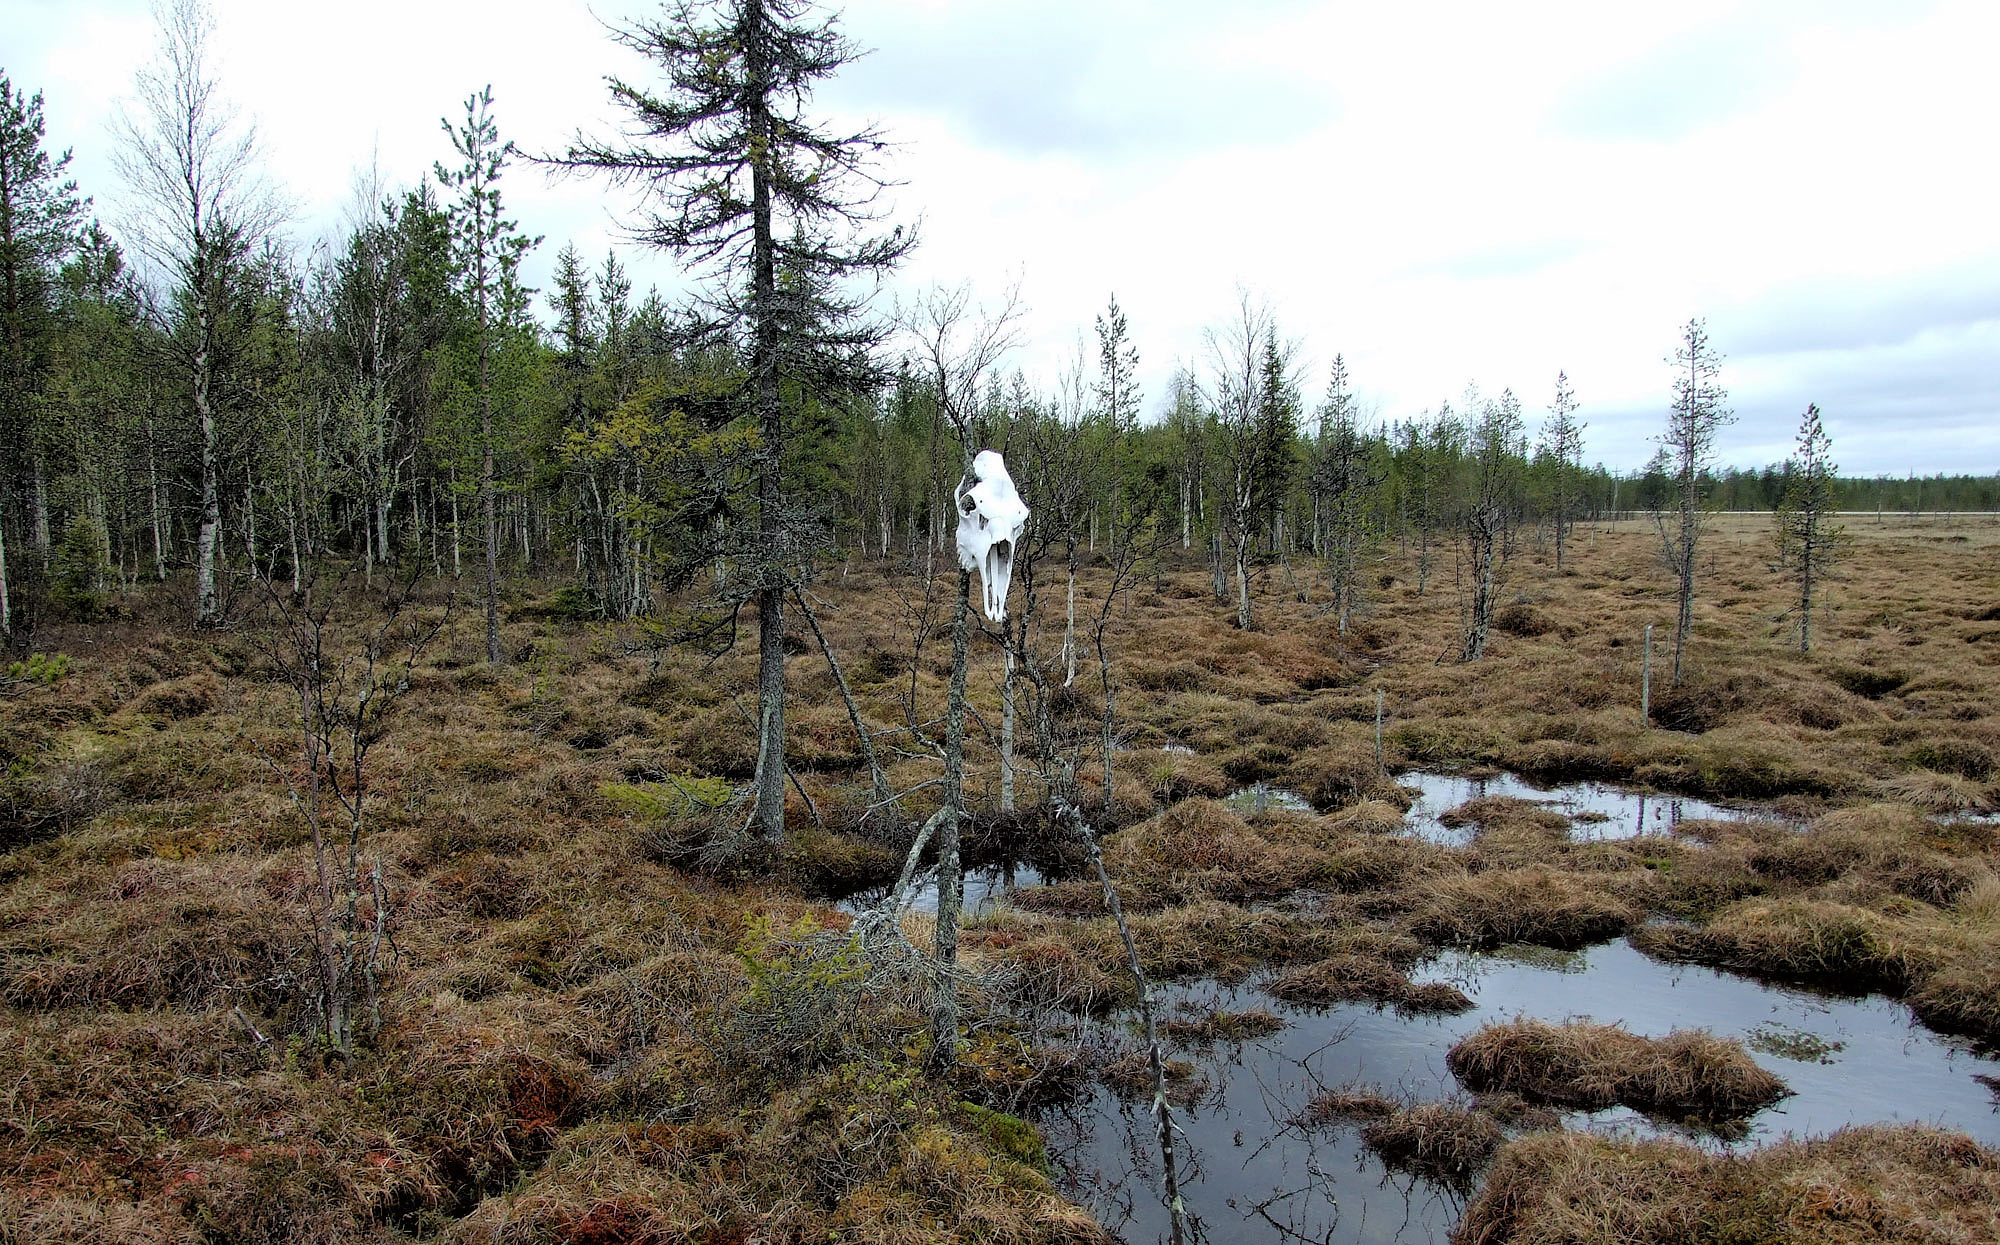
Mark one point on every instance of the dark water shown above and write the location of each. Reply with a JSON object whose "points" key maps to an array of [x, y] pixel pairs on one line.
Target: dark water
{"points": [[1255, 1177], [984, 886], [1265, 798], [1596, 810]]}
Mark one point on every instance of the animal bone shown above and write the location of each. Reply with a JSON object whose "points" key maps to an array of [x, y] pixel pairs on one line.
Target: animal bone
{"points": [[990, 518]]}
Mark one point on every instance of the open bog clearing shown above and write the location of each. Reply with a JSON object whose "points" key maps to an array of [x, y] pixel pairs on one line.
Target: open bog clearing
{"points": [[595, 1024]]}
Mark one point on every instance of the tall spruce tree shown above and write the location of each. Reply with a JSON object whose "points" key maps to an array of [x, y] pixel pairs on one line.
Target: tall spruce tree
{"points": [[738, 179], [1343, 482]]}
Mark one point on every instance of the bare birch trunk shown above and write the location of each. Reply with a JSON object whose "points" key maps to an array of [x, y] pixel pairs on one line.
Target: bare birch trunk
{"points": [[951, 881], [1006, 724]]}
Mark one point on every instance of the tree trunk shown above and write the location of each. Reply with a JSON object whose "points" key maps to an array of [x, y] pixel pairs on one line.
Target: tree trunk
{"points": [[1242, 568], [1163, 1119], [944, 1012], [1006, 720], [1187, 530], [209, 540], [1684, 566], [764, 312], [489, 521], [1069, 626], [6, 606], [159, 512], [40, 501]]}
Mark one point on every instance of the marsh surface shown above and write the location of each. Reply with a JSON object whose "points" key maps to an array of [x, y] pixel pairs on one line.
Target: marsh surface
{"points": [[1596, 810], [1258, 1177]]}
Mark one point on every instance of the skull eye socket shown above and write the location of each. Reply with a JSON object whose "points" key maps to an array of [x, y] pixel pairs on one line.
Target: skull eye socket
{"points": [[967, 505]]}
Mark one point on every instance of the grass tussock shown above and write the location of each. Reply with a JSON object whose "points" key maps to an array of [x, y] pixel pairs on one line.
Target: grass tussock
{"points": [[1539, 905], [1353, 978], [1440, 1141], [1815, 941], [1686, 1075], [1449, 1143], [1860, 1186], [1222, 1025]]}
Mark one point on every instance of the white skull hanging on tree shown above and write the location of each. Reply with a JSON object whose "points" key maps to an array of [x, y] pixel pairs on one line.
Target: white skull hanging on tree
{"points": [[990, 518]]}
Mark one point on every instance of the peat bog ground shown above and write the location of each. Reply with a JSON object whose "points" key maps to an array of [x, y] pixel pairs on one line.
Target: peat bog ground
{"points": [[593, 1030]]}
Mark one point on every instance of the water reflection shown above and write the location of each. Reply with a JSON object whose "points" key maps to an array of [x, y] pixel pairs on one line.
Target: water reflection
{"points": [[1262, 1177], [1596, 810], [984, 887]]}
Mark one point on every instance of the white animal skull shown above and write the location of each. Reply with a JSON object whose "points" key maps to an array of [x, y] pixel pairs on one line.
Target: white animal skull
{"points": [[990, 518]]}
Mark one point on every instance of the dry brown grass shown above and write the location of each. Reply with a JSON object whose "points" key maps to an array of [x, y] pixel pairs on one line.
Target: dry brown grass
{"points": [[1687, 1074], [1861, 1186], [559, 978], [1538, 905], [1439, 1141], [1446, 1142]]}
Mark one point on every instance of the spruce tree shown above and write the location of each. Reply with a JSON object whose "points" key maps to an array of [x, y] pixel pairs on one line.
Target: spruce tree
{"points": [[39, 214], [739, 180]]}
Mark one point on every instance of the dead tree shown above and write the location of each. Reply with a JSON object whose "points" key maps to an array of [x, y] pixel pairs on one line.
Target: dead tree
{"points": [[1697, 417], [1495, 455], [342, 692], [957, 345]]}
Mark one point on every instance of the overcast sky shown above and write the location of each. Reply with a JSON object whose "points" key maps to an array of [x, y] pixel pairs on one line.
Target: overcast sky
{"points": [[1443, 193]]}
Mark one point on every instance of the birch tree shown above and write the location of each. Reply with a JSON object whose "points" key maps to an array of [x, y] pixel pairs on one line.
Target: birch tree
{"points": [[1236, 398], [199, 206]]}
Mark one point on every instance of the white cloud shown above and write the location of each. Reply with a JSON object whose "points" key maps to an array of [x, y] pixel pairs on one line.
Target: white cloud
{"points": [[1440, 192]]}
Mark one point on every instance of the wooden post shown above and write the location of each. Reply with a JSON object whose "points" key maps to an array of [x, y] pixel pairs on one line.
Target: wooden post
{"points": [[1646, 681], [1378, 731]]}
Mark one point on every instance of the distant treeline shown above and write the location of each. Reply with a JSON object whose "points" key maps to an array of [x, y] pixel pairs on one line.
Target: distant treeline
{"points": [[235, 405], [1738, 489]]}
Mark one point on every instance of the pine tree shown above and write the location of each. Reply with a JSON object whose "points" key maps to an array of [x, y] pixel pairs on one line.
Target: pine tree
{"points": [[1808, 538], [489, 254], [1495, 450], [1562, 447], [1688, 445], [40, 211]]}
